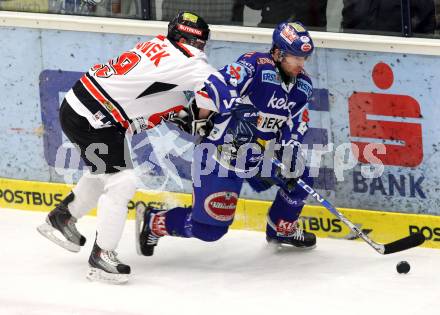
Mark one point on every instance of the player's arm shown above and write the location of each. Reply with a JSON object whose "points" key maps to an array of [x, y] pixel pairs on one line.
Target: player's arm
{"points": [[219, 94], [223, 90]]}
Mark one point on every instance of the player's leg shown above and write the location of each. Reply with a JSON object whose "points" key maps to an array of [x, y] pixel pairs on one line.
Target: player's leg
{"points": [[120, 183], [282, 219], [105, 151], [60, 225], [112, 213], [209, 218], [64, 216]]}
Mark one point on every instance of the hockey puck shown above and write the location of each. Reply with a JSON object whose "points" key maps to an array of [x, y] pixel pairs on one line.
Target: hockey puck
{"points": [[403, 267]]}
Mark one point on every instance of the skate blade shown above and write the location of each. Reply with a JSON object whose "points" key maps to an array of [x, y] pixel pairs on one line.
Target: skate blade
{"points": [[140, 210], [49, 232], [286, 247], [96, 274]]}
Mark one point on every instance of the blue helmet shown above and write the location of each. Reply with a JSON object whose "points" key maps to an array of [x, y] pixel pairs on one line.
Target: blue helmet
{"points": [[293, 38]]}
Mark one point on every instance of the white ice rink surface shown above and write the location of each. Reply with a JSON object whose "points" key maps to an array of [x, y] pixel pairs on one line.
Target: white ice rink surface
{"points": [[237, 275]]}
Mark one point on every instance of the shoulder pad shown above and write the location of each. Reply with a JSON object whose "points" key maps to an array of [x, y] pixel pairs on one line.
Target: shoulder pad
{"points": [[248, 61]]}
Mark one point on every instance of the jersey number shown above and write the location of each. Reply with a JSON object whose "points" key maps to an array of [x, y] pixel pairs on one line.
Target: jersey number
{"points": [[119, 66]]}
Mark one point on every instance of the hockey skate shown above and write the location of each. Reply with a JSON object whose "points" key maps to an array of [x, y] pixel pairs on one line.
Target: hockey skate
{"points": [[105, 266], [60, 227], [298, 239], [146, 240]]}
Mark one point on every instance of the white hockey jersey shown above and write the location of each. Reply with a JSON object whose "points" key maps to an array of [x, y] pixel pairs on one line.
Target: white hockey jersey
{"points": [[146, 84]]}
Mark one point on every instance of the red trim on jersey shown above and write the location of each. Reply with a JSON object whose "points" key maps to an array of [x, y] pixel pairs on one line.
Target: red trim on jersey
{"points": [[125, 124], [203, 94], [156, 119], [161, 37], [111, 108], [186, 49]]}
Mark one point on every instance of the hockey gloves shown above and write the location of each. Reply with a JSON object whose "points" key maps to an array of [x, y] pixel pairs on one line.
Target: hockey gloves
{"points": [[242, 127], [277, 177], [188, 120], [294, 164]]}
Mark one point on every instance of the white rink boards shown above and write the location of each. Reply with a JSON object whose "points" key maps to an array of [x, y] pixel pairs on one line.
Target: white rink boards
{"points": [[239, 274]]}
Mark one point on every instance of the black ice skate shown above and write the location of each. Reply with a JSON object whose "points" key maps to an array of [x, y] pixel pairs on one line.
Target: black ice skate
{"points": [[105, 266], [60, 227], [146, 240], [298, 239]]}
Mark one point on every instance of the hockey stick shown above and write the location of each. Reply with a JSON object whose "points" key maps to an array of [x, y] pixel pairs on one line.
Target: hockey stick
{"points": [[405, 243]]}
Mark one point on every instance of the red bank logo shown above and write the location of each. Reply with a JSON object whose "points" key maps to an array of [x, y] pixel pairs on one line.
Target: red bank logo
{"points": [[403, 139]]}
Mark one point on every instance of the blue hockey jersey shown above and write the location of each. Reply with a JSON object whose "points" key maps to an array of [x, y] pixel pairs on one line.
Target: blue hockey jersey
{"points": [[254, 79]]}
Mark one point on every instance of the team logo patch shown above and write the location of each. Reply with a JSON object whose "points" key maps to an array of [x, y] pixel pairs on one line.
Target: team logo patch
{"points": [[189, 29], [305, 39], [306, 47], [288, 34], [108, 105], [190, 17], [221, 205], [98, 115], [270, 76], [237, 73]]}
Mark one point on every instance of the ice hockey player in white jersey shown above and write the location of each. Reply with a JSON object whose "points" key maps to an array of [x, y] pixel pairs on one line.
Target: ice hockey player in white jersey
{"points": [[131, 93]]}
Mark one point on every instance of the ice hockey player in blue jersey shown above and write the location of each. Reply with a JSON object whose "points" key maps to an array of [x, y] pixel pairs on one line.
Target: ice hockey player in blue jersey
{"points": [[261, 98]]}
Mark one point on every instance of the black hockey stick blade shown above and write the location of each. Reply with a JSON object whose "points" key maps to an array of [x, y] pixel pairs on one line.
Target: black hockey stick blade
{"points": [[405, 243]]}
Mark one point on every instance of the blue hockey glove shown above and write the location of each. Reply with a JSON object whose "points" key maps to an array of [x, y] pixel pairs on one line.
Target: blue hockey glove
{"points": [[240, 130], [244, 125], [276, 177], [285, 172]]}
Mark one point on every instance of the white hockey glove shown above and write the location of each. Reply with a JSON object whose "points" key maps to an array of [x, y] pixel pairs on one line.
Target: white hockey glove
{"points": [[188, 120]]}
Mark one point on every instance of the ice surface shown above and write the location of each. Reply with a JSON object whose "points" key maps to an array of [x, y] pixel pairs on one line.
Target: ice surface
{"points": [[240, 274]]}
